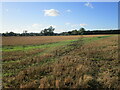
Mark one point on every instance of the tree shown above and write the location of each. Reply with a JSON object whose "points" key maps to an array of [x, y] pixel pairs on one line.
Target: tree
{"points": [[74, 32], [48, 31], [10, 34], [51, 29], [24, 33], [81, 31]]}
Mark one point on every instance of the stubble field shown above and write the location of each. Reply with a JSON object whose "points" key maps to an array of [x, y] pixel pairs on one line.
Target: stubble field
{"points": [[61, 62], [33, 40]]}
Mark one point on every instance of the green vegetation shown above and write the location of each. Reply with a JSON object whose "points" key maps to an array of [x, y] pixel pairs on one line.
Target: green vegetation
{"points": [[95, 38], [28, 47], [50, 32], [49, 45]]}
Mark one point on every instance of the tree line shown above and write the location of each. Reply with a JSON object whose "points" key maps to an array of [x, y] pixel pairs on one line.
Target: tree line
{"points": [[50, 32]]}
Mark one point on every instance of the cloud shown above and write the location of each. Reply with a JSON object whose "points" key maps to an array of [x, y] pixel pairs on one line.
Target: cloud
{"points": [[67, 23], [74, 25], [36, 25], [71, 25], [51, 12], [68, 10], [47, 26], [82, 25], [54, 26], [88, 4]]}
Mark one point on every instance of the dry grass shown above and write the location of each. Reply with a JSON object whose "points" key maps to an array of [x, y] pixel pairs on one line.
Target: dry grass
{"points": [[78, 65], [30, 40]]}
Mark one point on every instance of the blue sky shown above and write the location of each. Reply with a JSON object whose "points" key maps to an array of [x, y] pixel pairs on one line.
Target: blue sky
{"points": [[64, 16]]}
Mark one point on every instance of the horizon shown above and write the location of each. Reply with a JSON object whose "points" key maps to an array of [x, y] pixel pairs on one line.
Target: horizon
{"points": [[63, 16], [61, 32]]}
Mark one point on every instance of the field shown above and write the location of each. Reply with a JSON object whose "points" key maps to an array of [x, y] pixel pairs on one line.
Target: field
{"points": [[33, 40], [61, 62]]}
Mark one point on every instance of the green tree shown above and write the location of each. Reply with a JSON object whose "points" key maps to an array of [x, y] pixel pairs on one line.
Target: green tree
{"points": [[81, 31], [74, 32], [48, 32], [51, 30]]}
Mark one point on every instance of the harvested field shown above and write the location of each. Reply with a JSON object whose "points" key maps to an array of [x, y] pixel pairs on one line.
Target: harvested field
{"points": [[87, 62], [30, 40]]}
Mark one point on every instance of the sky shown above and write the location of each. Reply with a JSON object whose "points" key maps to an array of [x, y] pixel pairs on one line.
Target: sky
{"points": [[63, 16]]}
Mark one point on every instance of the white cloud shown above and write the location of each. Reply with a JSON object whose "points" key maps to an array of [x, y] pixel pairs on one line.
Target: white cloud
{"points": [[67, 23], [71, 25], [51, 12], [88, 4], [54, 26], [82, 25], [68, 10], [36, 25], [74, 25], [47, 26]]}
